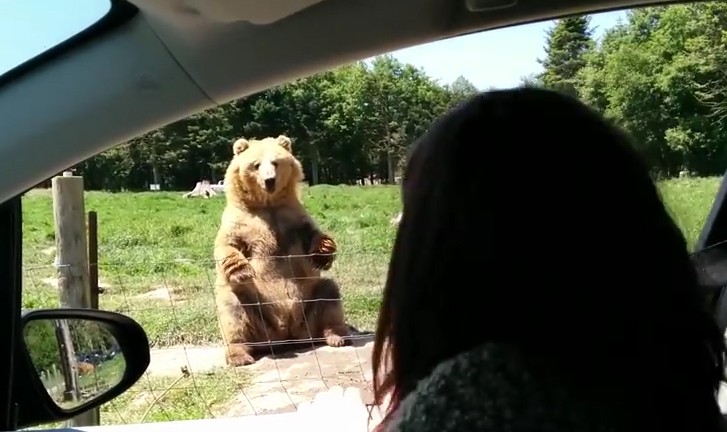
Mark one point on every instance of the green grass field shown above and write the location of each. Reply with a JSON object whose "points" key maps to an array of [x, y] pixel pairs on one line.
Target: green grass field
{"points": [[159, 242], [197, 396]]}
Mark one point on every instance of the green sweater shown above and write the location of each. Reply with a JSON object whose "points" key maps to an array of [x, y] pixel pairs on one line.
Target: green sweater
{"points": [[491, 389]]}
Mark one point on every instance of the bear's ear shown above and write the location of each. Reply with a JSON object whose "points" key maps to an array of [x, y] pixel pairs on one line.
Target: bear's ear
{"points": [[285, 143], [240, 146]]}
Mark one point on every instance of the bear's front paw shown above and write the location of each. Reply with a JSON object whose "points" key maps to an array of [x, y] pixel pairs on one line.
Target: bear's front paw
{"points": [[241, 275], [239, 355], [335, 338], [240, 360], [335, 341], [323, 253], [238, 271]]}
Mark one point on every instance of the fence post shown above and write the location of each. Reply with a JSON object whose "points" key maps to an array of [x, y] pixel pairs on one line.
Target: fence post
{"points": [[72, 258], [68, 361]]}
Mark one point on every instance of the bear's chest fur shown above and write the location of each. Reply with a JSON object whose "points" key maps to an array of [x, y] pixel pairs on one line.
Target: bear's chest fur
{"points": [[277, 232]]}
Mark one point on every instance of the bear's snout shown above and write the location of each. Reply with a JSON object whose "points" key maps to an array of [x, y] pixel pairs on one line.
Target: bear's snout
{"points": [[270, 184]]}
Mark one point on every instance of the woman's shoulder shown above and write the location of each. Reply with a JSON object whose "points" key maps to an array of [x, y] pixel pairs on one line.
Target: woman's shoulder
{"points": [[491, 387]]}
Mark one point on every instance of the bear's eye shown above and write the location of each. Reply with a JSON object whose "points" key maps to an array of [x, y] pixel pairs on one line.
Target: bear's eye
{"points": [[256, 165], [275, 163]]}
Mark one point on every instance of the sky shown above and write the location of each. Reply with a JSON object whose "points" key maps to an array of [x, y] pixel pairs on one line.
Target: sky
{"points": [[497, 58]]}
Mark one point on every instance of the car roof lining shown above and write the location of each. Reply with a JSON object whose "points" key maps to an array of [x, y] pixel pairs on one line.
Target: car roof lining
{"points": [[164, 64], [336, 40], [259, 12]]}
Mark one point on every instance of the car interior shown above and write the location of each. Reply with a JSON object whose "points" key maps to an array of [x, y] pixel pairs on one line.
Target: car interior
{"points": [[148, 63]]}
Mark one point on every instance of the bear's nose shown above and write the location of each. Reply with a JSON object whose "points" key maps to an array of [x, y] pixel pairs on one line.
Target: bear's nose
{"points": [[270, 184]]}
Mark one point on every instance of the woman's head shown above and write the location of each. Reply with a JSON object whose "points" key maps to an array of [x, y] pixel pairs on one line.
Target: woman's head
{"points": [[530, 220]]}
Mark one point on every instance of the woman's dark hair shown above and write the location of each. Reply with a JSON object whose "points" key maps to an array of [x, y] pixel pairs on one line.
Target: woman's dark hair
{"points": [[529, 220]]}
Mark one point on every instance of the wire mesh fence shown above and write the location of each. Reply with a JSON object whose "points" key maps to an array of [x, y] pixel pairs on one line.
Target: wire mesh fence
{"points": [[189, 378]]}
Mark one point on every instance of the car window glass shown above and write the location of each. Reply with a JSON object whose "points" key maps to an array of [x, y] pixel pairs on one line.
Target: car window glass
{"points": [[28, 28], [659, 72]]}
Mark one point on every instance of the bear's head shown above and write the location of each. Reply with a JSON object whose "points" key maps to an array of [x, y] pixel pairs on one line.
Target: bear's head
{"points": [[263, 173]]}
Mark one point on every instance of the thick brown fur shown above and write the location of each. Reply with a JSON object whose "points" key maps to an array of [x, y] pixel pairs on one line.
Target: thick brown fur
{"points": [[84, 368], [269, 255]]}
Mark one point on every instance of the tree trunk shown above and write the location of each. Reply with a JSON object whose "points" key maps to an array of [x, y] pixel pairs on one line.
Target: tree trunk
{"points": [[155, 172], [314, 177], [314, 166], [390, 174]]}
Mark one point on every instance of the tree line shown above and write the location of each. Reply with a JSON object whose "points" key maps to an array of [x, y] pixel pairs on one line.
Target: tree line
{"points": [[352, 124], [661, 73]]}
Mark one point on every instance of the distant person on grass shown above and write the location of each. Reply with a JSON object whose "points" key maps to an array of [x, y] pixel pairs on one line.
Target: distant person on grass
{"points": [[538, 283]]}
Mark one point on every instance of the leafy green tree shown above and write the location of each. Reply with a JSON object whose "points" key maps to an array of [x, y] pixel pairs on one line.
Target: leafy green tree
{"points": [[532, 80], [40, 341], [460, 89], [567, 42], [660, 75]]}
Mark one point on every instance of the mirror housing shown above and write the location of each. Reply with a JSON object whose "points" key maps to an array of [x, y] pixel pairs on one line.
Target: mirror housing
{"points": [[124, 345]]}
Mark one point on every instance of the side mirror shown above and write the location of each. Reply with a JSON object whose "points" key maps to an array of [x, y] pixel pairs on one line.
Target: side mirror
{"points": [[77, 359]]}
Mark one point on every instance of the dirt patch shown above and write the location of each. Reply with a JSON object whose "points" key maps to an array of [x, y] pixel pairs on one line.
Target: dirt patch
{"points": [[169, 294], [169, 361], [278, 384]]}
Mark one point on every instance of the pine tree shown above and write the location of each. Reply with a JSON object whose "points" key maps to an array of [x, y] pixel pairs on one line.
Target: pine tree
{"points": [[566, 43]]}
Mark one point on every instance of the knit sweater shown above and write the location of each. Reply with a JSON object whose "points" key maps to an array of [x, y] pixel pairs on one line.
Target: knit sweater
{"points": [[491, 389]]}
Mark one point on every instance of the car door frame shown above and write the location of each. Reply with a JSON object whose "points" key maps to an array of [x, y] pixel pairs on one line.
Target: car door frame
{"points": [[11, 276]]}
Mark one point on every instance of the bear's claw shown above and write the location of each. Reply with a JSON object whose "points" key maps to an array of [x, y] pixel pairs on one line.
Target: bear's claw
{"points": [[240, 360], [239, 355], [336, 338], [324, 253], [241, 276], [238, 271], [335, 341]]}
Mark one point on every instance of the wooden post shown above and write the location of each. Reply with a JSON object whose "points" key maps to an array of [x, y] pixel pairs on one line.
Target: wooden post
{"points": [[71, 251], [69, 362], [72, 258]]}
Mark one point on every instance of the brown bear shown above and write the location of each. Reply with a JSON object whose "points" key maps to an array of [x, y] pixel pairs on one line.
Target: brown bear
{"points": [[84, 368], [269, 254]]}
